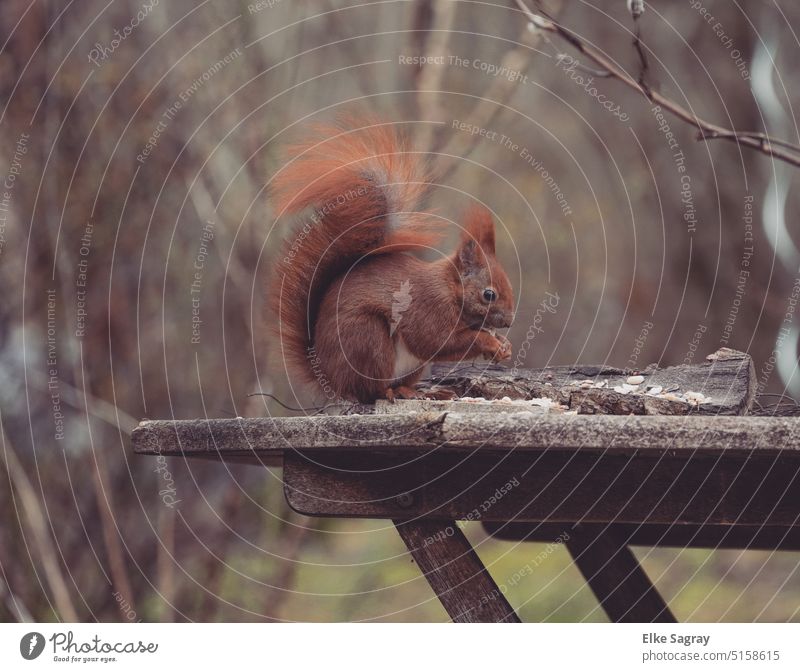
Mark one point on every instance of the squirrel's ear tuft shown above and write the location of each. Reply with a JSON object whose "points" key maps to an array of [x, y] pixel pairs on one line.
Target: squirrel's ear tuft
{"points": [[469, 258], [479, 226]]}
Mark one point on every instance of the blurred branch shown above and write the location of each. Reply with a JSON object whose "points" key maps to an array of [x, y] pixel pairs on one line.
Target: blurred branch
{"points": [[38, 526], [487, 107], [116, 558], [93, 406], [214, 563], [421, 21], [362, 77], [706, 130], [13, 603], [756, 135], [106, 412], [293, 543], [166, 564], [429, 79], [110, 414]]}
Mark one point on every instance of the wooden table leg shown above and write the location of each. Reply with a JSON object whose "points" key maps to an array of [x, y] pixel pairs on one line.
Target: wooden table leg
{"points": [[455, 572], [617, 579]]}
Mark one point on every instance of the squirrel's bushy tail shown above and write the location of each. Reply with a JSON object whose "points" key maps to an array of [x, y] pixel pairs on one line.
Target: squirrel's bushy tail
{"points": [[362, 187]]}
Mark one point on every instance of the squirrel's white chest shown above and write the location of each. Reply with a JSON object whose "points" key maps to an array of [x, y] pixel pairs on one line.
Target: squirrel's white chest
{"points": [[404, 360]]}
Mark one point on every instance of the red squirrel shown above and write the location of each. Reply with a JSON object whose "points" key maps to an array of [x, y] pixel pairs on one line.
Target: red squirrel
{"points": [[357, 314]]}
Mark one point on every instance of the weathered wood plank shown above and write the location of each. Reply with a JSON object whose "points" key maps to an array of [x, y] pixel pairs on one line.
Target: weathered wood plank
{"points": [[727, 379], [269, 436], [551, 486], [455, 572], [753, 537], [465, 432], [617, 579]]}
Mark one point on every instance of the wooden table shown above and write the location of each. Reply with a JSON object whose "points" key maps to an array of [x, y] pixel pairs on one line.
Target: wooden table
{"points": [[600, 483]]}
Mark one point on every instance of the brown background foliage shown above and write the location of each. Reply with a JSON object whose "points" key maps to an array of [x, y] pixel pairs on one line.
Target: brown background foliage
{"points": [[85, 533]]}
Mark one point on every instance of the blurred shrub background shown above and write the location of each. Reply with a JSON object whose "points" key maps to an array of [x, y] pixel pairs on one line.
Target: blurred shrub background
{"points": [[139, 139]]}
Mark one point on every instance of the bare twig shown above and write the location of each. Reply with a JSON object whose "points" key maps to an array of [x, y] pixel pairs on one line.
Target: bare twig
{"points": [[583, 68], [763, 138], [707, 130], [644, 66], [37, 524]]}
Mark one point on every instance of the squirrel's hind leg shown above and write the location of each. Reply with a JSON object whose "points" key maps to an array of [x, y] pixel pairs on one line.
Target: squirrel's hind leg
{"points": [[357, 352]]}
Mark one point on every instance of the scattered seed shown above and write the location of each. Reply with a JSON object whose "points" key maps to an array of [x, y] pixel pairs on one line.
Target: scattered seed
{"points": [[695, 397]]}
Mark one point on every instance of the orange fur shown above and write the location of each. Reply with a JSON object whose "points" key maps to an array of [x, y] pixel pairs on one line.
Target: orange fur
{"points": [[355, 175], [335, 286], [479, 225]]}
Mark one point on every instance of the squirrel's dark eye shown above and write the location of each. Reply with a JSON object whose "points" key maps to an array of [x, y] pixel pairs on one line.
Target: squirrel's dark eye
{"points": [[489, 295]]}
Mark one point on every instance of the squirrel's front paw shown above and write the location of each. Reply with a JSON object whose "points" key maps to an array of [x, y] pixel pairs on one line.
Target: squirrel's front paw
{"points": [[499, 349]]}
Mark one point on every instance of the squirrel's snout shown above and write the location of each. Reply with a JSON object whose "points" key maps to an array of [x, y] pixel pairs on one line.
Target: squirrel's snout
{"points": [[502, 320]]}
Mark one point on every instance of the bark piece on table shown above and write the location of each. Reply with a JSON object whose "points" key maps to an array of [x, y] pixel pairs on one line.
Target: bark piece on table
{"points": [[727, 378]]}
